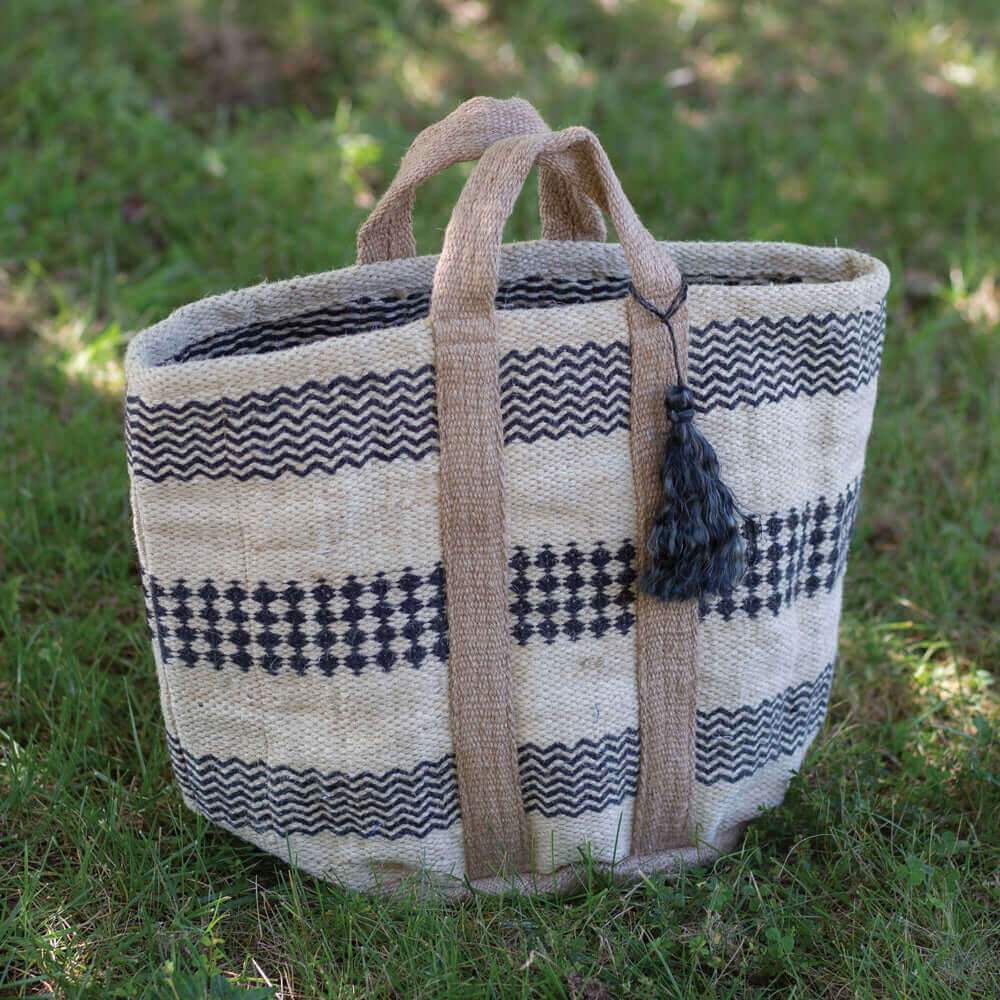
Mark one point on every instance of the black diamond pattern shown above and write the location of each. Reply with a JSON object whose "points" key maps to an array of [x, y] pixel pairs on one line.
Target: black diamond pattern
{"points": [[554, 595], [786, 553], [390, 622]]}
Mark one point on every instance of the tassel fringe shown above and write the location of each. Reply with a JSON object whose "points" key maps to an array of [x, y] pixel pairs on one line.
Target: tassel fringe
{"points": [[696, 545]]}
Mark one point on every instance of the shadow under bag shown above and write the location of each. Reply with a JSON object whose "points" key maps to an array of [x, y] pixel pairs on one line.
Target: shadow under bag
{"points": [[463, 566]]}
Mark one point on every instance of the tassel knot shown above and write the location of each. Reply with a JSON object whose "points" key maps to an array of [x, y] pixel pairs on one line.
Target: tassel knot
{"points": [[696, 545], [680, 404]]}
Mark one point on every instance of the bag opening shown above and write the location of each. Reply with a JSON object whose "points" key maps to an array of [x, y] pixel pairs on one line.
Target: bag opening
{"points": [[365, 313]]}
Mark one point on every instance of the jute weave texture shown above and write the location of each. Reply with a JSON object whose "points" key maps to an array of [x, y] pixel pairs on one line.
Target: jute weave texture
{"points": [[390, 520]]}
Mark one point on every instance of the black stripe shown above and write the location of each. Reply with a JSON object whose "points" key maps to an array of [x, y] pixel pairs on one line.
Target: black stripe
{"points": [[750, 364], [734, 744], [364, 313], [339, 319], [556, 780], [281, 800], [552, 392], [546, 393], [393, 621], [589, 776]]}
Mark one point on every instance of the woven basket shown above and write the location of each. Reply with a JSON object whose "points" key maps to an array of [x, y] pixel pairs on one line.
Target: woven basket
{"points": [[390, 521]]}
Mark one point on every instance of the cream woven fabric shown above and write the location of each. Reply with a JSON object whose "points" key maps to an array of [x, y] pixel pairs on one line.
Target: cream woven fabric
{"points": [[285, 468]]}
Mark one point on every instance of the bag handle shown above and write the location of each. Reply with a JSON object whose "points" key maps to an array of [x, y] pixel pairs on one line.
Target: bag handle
{"points": [[387, 234], [471, 458]]}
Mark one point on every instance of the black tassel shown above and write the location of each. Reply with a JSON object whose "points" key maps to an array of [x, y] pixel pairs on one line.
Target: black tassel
{"points": [[696, 543]]}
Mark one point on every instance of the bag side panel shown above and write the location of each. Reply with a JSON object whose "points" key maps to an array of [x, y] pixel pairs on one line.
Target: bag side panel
{"points": [[790, 402], [292, 558]]}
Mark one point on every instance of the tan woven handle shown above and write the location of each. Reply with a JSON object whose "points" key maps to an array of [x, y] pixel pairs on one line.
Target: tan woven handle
{"points": [[567, 213], [467, 358]]}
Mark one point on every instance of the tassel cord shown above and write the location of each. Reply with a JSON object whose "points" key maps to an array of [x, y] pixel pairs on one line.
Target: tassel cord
{"points": [[665, 316]]}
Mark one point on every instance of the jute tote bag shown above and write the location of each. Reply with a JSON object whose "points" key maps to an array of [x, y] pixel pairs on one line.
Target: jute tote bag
{"points": [[441, 570]]}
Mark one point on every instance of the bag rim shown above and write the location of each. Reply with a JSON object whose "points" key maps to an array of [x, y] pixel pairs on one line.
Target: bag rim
{"points": [[854, 280]]}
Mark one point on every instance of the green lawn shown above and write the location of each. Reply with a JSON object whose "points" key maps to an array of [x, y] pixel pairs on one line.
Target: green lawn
{"points": [[155, 152]]}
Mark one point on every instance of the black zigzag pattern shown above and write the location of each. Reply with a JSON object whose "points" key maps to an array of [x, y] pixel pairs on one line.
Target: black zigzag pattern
{"points": [[545, 393], [587, 777], [556, 780], [281, 800], [317, 427], [341, 319], [768, 360], [392, 621], [734, 744], [552, 392]]}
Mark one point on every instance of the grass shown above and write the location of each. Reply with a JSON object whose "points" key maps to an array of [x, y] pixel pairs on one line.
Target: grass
{"points": [[156, 152]]}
